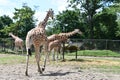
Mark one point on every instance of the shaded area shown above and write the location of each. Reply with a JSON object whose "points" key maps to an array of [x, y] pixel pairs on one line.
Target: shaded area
{"points": [[80, 60], [58, 73]]}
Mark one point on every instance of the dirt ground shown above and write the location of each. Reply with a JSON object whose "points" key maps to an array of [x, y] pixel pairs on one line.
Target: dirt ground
{"points": [[53, 72]]}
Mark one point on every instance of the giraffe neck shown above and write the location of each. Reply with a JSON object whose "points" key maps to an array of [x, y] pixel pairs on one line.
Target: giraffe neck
{"points": [[44, 22], [69, 33], [46, 18], [13, 36]]}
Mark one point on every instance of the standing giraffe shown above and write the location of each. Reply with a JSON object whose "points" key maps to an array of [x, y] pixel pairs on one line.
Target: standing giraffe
{"points": [[37, 37], [63, 36], [56, 46], [55, 40], [18, 42]]}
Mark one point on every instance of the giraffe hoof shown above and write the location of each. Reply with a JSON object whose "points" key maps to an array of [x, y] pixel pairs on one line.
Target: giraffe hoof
{"points": [[26, 73], [40, 72]]}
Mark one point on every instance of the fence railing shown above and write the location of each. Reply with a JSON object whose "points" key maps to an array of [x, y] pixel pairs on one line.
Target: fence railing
{"points": [[97, 44], [7, 44]]}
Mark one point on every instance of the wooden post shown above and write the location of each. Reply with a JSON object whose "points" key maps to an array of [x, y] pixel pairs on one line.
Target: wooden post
{"points": [[76, 55], [63, 51]]}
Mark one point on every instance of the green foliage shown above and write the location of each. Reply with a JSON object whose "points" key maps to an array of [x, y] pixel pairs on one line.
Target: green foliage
{"points": [[5, 21], [53, 27], [106, 26], [24, 21], [88, 10], [103, 24], [118, 29], [116, 9], [67, 21], [84, 16]]}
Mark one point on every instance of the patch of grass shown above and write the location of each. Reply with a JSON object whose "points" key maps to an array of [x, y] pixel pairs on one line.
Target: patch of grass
{"points": [[102, 64], [14, 59], [108, 68], [11, 59], [97, 53], [99, 63]]}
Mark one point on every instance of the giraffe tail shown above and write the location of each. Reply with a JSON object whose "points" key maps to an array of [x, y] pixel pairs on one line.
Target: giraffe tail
{"points": [[29, 52]]}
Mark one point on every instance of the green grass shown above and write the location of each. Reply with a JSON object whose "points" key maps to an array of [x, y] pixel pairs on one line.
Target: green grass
{"points": [[108, 68], [98, 53], [103, 64], [11, 59]]}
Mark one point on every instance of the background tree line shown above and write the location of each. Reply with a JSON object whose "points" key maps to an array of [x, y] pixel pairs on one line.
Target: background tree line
{"points": [[97, 19], [22, 21]]}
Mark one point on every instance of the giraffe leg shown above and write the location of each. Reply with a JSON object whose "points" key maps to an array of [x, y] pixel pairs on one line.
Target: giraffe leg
{"points": [[21, 49], [27, 60], [15, 49], [49, 52], [37, 56], [46, 56], [57, 54], [53, 54]]}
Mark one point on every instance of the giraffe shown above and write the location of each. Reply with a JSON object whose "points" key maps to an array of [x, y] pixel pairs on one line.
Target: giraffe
{"points": [[18, 42], [37, 37], [63, 36], [55, 40], [56, 46]]}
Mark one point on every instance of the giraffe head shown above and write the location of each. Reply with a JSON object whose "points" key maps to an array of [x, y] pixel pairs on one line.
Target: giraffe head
{"points": [[51, 13], [78, 31], [10, 34]]}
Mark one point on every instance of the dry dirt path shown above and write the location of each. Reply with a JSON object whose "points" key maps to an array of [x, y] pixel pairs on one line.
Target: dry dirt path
{"points": [[53, 72]]}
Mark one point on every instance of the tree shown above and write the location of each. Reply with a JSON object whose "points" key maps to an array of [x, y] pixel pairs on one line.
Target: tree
{"points": [[5, 21], [89, 9], [116, 10], [107, 22], [106, 25], [67, 21], [118, 30], [24, 21], [53, 27]]}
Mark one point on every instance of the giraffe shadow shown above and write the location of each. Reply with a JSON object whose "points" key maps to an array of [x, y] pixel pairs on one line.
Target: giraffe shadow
{"points": [[58, 73], [80, 60]]}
